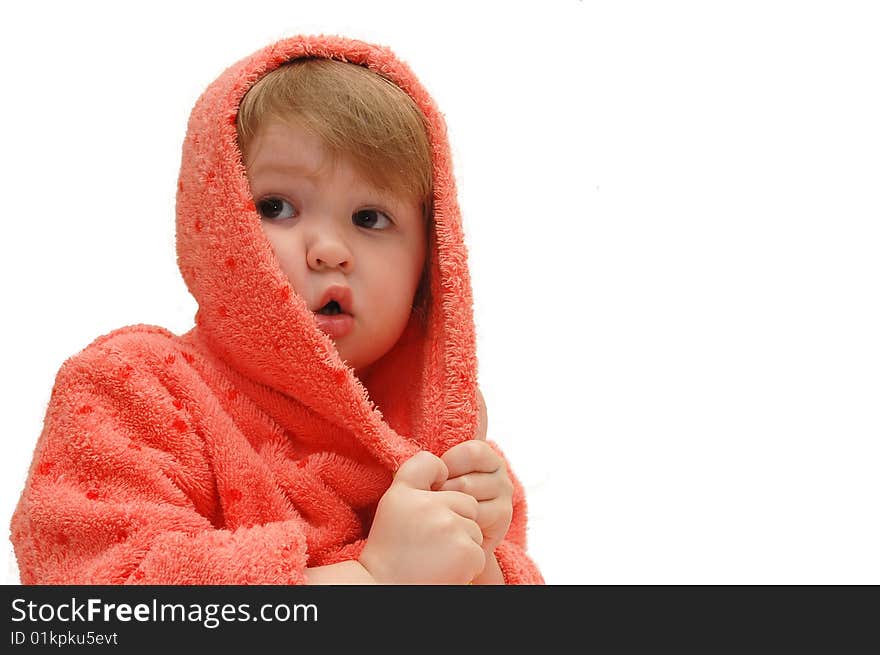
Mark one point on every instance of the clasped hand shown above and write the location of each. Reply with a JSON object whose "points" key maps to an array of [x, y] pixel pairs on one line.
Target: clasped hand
{"points": [[442, 516]]}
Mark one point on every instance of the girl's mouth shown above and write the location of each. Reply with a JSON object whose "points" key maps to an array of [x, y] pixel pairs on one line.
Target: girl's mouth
{"points": [[333, 322], [330, 309]]}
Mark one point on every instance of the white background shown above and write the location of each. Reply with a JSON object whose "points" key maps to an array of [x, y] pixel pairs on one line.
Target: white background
{"points": [[673, 215]]}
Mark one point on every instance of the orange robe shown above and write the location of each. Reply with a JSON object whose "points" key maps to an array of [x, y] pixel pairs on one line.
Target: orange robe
{"points": [[245, 450]]}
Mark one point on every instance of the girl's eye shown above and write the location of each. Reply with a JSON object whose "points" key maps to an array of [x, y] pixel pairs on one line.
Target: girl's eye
{"points": [[372, 219], [275, 208]]}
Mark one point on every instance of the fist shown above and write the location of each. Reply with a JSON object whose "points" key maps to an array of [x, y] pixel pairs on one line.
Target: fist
{"points": [[478, 471], [421, 536]]}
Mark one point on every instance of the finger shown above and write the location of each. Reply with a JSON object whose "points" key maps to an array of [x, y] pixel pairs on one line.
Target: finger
{"points": [[461, 504], [473, 531], [471, 457], [423, 470], [493, 512], [482, 486], [482, 417]]}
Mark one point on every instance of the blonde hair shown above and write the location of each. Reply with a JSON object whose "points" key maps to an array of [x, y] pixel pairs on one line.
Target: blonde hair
{"points": [[357, 113]]}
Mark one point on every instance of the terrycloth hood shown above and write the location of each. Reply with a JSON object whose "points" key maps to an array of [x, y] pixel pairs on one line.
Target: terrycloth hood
{"points": [[250, 316], [245, 451]]}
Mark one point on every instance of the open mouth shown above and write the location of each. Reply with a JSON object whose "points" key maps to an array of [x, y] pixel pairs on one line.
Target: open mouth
{"points": [[332, 318], [330, 309], [335, 300]]}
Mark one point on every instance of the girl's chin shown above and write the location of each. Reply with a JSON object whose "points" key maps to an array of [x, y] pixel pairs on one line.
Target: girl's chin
{"points": [[362, 366], [361, 360]]}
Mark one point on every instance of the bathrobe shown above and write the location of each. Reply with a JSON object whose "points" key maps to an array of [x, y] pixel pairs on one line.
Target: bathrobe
{"points": [[246, 450]]}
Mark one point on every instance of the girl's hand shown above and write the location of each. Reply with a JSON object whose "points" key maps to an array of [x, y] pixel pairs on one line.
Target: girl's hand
{"points": [[478, 471], [420, 536]]}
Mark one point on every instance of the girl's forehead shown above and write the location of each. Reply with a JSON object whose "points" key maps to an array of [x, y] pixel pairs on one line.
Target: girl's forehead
{"points": [[278, 144], [281, 151]]}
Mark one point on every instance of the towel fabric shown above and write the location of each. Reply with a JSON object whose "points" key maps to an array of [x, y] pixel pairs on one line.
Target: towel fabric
{"points": [[245, 450]]}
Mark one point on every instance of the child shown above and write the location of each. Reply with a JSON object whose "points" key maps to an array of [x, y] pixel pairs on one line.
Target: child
{"points": [[321, 423]]}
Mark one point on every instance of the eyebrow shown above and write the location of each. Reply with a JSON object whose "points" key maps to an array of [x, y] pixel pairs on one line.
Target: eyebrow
{"points": [[383, 196]]}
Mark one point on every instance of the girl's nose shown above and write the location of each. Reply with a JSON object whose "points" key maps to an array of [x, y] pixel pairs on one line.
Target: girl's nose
{"points": [[328, 251]]}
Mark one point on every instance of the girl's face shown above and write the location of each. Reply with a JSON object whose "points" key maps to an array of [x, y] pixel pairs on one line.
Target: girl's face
{"points": [[338, 238]]}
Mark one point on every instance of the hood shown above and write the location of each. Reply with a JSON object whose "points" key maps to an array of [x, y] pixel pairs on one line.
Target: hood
{"points": [[422, 394]]}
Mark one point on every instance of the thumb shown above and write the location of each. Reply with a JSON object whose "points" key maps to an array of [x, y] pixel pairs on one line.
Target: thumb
{"points": [[423, 470], [482, 417]]}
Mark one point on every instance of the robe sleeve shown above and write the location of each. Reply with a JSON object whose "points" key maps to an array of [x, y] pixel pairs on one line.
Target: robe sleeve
{"points": [[121, 491]]}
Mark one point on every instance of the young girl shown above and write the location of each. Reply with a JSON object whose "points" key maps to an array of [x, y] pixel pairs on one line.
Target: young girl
{"points": [[321, 423]]}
